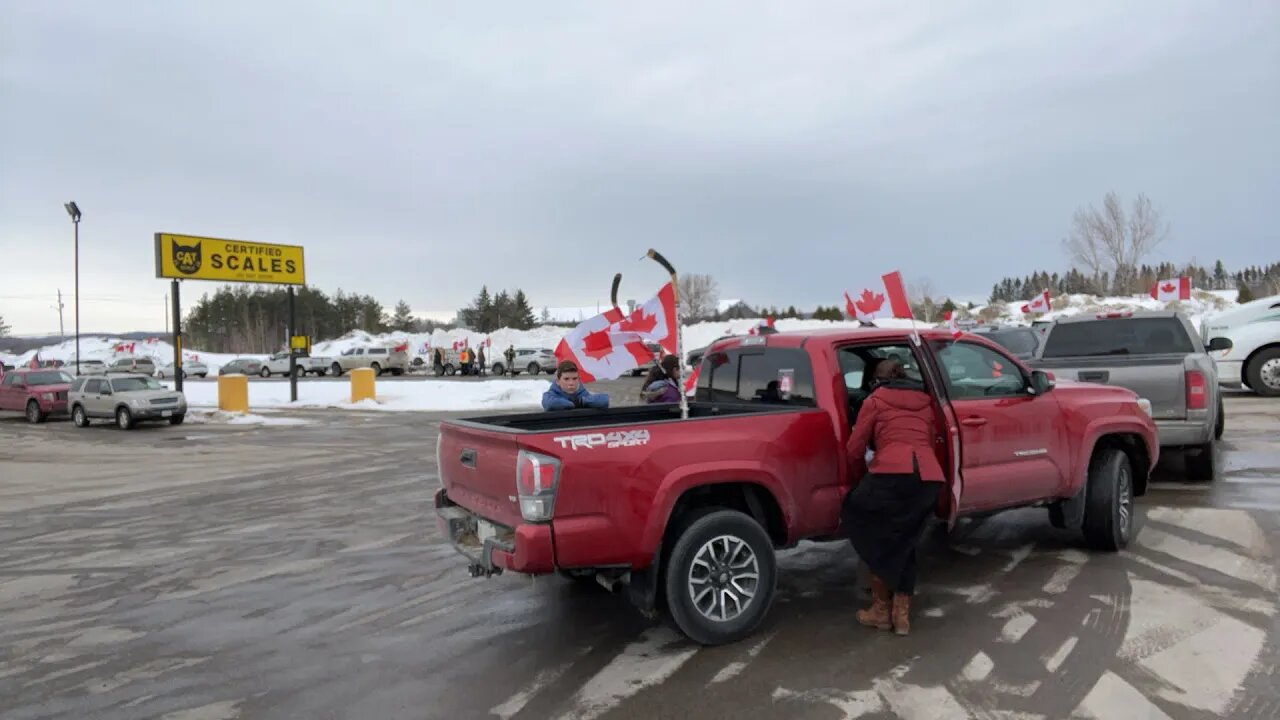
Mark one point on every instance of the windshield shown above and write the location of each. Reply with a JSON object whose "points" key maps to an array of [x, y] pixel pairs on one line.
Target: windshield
{"points": [[48, 377], [1119, 336], [1021, 342], [133, 384]]}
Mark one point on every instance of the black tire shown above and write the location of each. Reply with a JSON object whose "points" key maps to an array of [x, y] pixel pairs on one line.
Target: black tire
{"points": [[1220, 426], [79, 417], [177, 419], [1108, 514], [203, 375], [534, 369], [1266, 384], [450, 370], [700, 540], [1201, 463], [499, 369], [34, 414], [336, 369], [377, 369], [124, 418], [397, 373], [1058, 516], [299, 371], [264, 372]]}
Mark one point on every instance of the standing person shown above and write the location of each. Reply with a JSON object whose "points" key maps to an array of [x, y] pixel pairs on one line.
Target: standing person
{"points": [[481, 368], [464, 360], [568, 392], [511, 360], [662, 384], [887, 509]]}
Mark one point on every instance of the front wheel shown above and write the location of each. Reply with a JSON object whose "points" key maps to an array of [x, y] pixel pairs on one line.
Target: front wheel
{"points": [[1263, 373], [299, 371], [124, 418], [534, 369], [1108, 514], [499, 369], [720, 577], [377, 369], [336, 369], [79, 417], [34, 414], [265, 372], [177, 419]]}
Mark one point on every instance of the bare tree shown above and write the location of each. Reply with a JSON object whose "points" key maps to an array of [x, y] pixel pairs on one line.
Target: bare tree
{"points": [[699, 296], [1113, 241], [921, 294]]}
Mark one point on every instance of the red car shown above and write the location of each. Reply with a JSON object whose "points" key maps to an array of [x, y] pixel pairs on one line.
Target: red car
{"points": [[37, 393], [635, 497]]}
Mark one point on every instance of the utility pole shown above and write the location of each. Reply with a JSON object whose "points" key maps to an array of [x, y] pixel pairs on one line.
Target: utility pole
{"points": [[166, 313], [62, 332], [73, 210]]}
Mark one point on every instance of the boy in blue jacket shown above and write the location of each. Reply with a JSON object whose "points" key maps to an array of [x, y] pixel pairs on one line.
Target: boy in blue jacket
{"points": [[567, 392]]}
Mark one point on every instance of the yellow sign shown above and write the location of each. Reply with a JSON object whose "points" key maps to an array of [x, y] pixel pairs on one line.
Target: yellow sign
{"points": [[187, 257], [300, 342]]}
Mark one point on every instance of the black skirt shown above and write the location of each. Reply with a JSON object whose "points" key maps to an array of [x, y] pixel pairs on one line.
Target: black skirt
{"points": [[884, 516]]}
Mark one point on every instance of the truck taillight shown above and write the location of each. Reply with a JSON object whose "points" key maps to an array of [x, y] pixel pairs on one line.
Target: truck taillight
{"points": [[440, 455], [1197, 391], [537, 477]]}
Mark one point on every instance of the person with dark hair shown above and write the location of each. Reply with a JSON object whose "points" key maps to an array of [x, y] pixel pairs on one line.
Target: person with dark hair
{"points": [[568, 392], [662, 384], [893, 499], [480, 358]]}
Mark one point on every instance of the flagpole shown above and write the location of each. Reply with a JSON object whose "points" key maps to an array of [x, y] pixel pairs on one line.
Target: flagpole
{"points": [[675, 291]]}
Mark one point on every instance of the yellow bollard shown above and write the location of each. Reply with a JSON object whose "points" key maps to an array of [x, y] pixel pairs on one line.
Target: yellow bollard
{"points": [[233, 393], [362, 384]]}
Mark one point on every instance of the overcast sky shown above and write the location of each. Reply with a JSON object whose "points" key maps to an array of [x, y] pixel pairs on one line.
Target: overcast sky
{"points": [[419, 150]]}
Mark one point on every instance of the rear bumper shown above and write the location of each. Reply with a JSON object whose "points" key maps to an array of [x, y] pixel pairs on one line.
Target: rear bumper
{"points": [[1230, 373], [1181, 433], [523, 549]]}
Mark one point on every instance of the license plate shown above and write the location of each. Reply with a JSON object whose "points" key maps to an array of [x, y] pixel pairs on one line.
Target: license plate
{"points": [[166, 413]]}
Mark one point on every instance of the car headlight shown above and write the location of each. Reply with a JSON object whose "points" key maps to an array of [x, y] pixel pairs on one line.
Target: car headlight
{"points": [[1145, 404], [137, 402]]}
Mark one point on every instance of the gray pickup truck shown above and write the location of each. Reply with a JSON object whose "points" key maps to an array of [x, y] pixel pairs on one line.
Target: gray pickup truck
{"points": [[1160, 356]]}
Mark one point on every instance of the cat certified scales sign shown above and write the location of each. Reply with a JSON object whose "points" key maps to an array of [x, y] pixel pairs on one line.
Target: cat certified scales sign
{"points": [[187, 257]]}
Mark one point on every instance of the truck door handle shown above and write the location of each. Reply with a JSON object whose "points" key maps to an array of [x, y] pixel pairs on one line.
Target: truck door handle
{"points": [[468, 458], [1099, 376], [973, 422]]}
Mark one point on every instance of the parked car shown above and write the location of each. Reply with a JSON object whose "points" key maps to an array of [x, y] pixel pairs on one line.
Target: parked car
{"points": [[1160, 356], [380, 359], [38, 394], [127, 399], [1023, 342], [534, 361], [278, 364], [631, 502], [1252, 360], [190, 368], [132, 365], [241, 366], [91, 367]]}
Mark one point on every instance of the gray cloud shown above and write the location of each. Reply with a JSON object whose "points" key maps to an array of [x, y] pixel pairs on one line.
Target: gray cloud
{"points": [[420, 150]]}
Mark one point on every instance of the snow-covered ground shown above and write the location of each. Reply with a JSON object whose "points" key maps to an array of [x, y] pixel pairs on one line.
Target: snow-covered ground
{"points": [[427, 395], [1201, 305]]}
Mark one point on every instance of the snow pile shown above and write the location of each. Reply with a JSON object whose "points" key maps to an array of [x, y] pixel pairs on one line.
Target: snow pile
{"points": [[96, 348], [426, 395], [218, 417], [1201, 305]]}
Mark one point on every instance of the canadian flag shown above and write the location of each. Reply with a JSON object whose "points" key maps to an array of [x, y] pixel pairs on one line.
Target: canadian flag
{"points": [[950, 317], [766, 323], [455, 346], [402, 347], [871, 302], [1038, 305], [691, 382], [1167, 290], [35, 361], [610, 344]]}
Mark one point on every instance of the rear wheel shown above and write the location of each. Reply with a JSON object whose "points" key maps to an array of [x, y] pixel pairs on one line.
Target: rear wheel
{"points": [[720, 577], [336, 369], [1221, 425], [34, 414], [124, 418], [377, 369], [534, 369], [265, 372], [79, 417], [299, 371], [1108, 515], [1263, 373]]}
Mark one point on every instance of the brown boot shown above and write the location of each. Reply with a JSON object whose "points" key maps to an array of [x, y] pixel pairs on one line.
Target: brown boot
{"points": [[877, 616], [901, 613]]}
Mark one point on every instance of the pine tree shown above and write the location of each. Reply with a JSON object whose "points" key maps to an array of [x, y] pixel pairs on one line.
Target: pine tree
{"points": [[522, 312], [1244, 294], [403, 320], [504, 311], [948, 306], [4, 328]]}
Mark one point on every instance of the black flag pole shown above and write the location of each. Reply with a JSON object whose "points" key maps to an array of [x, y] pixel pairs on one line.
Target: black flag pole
{"points": [[675, 291], [613, 292]]}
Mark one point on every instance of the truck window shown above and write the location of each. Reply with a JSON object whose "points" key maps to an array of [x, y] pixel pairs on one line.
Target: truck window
{"points": [[774, 376], [973, 371], [1015, 341], [1118, 336]]}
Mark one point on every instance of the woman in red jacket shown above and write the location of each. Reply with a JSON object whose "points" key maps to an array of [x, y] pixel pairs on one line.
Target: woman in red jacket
{"points": [[889, 505]]}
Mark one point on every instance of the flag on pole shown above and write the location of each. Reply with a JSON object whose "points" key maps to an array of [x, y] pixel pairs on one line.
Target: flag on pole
{"points": [[611, 344], [764, 327], [888, 298], [1169, 290], [35, 361], [1038, 305], [691, 382], [952, 325]]}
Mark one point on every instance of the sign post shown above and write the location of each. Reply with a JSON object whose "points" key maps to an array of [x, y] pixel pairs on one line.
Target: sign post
{"points": [[192, 257]]}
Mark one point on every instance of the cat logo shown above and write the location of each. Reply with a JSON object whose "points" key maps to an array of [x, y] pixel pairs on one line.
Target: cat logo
{"points": [[187, 258]]}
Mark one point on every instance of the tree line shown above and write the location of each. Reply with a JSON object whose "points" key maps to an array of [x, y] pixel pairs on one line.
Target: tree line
{"points": [[245, 319], [491, 312], [1135, 281]]}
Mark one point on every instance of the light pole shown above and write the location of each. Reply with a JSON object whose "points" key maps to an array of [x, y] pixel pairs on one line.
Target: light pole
{"points": [[74, 211]]}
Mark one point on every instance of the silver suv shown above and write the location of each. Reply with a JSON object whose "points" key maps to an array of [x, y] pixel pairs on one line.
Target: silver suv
{"points": [[126, 399], [534, 361], [138, 365]]}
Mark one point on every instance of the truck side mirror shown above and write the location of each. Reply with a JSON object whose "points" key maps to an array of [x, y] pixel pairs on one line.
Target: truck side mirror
{"points": [[1219, 343], [1041, 382]]}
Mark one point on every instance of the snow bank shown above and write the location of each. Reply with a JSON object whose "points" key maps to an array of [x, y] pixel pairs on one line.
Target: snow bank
{"points": [[404, 396], [218, 417], [1201, 305]]}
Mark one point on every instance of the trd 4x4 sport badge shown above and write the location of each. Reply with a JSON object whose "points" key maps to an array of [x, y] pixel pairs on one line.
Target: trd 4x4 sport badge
{"points": [[187, 258], [612, 440]]}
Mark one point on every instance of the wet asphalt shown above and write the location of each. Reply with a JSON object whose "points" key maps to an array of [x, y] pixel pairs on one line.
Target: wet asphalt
{"points": [[215, 571]]}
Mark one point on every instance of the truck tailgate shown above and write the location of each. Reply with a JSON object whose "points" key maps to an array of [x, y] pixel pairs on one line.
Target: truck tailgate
{"points": [[478, 471], [1158, 378]]}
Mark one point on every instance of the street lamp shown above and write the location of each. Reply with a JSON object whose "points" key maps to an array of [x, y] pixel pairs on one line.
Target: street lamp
{"points": [[74, 211]]}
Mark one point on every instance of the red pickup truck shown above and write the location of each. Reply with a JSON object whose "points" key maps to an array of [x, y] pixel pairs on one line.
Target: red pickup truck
{"points": [[686, 514]]}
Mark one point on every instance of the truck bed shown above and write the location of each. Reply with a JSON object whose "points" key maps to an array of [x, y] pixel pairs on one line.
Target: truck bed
{"points": [[587, 418]]}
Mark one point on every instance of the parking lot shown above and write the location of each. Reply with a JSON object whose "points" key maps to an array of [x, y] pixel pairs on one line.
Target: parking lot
{"points": [[217, 571]]}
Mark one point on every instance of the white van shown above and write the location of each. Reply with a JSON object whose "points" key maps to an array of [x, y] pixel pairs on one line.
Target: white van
{"points": [[1253, 360]]}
